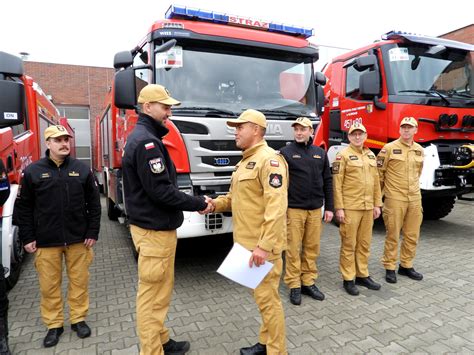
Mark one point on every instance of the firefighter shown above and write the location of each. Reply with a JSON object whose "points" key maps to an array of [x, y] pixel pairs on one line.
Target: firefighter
{"points": [[4, 194], [310, 188], [357, 202], [154, 206], [400, 163], [258, 201], [59, 215]]}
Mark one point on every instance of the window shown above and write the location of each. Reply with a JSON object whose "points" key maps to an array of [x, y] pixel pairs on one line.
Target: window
{"points": [[352, 81], [78, 118]]}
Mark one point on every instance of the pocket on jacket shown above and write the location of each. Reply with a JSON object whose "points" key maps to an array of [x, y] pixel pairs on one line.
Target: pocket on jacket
{"points": [[152, 263]]}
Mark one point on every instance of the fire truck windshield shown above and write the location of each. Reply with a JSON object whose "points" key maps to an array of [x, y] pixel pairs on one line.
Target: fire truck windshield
{"points": [[233, 80], [441, 75]]}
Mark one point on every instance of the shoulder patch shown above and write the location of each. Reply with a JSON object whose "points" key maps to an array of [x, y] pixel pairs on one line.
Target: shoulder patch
{"points": [[338, 157], [383, 151], [276, 180], [157, 165], [274, 163], [335, 168], [149, 146], [380, 161]]}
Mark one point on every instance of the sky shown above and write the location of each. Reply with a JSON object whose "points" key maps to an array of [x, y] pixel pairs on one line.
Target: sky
{"points": [[90, 32]]}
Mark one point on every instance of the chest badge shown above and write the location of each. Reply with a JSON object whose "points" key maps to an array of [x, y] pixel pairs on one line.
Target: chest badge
{"points": [[45, 176], [156, 165], [316, 156], [353, 157], [296, 156], [397, 151], [250, 165], [73, 173]]}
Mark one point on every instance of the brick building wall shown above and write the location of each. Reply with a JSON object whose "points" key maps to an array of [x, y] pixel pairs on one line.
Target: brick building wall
{"points": [[73, 85], [463, 34]]}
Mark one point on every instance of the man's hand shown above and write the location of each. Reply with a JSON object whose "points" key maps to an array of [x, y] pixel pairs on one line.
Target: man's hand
{"points": [[31, 247], [89, 242], [211, 205], [328, 216], [340, 216], [258, 257], [377, 212]]}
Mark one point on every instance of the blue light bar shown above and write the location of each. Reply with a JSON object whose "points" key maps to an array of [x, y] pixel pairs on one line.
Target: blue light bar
{"points": [[412, 37], [188, 13]]}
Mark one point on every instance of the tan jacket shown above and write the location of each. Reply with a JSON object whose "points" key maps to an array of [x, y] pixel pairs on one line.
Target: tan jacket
{"points": [[400, 168], [258, 200], [356, 180]]}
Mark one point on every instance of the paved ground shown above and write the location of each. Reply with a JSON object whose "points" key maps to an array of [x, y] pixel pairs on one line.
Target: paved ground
{"points": [[435, 315]]}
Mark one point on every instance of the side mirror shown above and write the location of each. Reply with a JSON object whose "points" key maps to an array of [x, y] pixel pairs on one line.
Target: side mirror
{"points": [[123, 59], [10, 65], [12, 103], [166, 46], [125, 94], [369, 84], [320, 78], [366, 62], [320, 100]]}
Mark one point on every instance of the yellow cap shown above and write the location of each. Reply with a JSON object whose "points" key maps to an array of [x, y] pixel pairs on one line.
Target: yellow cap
{"points": [[357, 126], [55, 131], [250, 115], [303, 121], [156, 93], [409, 121]]}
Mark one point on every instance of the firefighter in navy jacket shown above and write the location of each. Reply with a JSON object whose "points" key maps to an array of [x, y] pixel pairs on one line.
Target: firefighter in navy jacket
{"points": [[310, 188], [59, 214], [154, 205]]}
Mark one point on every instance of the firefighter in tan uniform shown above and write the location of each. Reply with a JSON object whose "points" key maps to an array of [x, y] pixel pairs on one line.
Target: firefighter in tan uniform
{"points": [[357, 201], [258, 201], [400, 163]]}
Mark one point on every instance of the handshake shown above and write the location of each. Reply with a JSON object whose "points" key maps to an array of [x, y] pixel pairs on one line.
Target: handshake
{"points": [[211, 205]]}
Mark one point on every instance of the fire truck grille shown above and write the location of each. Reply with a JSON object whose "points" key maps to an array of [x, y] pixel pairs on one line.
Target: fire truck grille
{"points": [[223, 145], [213, 221]]}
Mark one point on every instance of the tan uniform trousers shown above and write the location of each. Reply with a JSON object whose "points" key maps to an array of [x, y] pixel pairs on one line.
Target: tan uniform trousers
{"points": [[406, 216], [272, 331], [156, 250], [303, 237], [49, 265], [356, 235]]}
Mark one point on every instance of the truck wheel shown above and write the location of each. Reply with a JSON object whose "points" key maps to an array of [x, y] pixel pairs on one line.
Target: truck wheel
{"points": [[17, 256], [437, 207], [112, 212]]}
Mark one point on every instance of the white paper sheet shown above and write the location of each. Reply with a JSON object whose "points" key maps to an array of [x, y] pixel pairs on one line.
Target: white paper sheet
{"points": [[236, 268]]}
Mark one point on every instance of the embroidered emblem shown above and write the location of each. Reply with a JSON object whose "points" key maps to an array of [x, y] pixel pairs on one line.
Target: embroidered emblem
{"points": [[380, 161], [73, 173], [149, 146], [45, 176], [250, 165], [274, 163], [371, 156], [338, 157], [316, 156], [156, 165], [296, 156], [353, 157], [276, 180], [335, 168], [418, 152]]}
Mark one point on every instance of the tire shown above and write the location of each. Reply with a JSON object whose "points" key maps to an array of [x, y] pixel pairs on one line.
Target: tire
{"points": [[18, 254], [112, 212], [437, 207]]}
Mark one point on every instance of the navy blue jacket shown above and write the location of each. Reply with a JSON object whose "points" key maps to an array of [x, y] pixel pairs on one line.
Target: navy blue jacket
{"points": [[310, 177], [152, 198]]}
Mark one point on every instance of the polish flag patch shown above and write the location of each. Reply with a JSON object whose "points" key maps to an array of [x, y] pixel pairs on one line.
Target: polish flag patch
{"points": [[149, 146], [274, 163]]}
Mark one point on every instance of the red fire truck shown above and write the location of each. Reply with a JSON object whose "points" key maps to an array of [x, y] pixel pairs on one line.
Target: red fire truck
{"points": [[217, 65], [428, 78], [25, 112]]}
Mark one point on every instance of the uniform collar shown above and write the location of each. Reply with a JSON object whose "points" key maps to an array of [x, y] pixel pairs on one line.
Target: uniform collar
{"points": [[358, 150], [56, 163], [405, 144], [150, 123], [252, 150]]}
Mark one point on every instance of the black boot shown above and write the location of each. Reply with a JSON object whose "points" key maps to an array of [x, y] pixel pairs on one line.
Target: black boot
{"points": [[4, 350], [295, 296], [390, 276], [173, 347], [367, 282], [257, 349], [351, 288], [313, 292], [410, 272], [52, 337]]}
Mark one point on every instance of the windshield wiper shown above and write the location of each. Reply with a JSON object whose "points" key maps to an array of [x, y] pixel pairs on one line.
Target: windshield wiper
{"points": [[431, 92], [278, 112], [205, 108], [461, 94]]}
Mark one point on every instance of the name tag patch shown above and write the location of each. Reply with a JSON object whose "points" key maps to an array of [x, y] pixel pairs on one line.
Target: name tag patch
{"points": [[397, 151], [353, 157], [276, 180], [250, 165], [316, 156], [296, 156], [156, 165], [45, 176], [418, 152], [73, 173]]}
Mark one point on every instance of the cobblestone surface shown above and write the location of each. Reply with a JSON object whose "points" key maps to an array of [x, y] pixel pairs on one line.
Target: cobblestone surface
{"points": [[435, 315]]}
